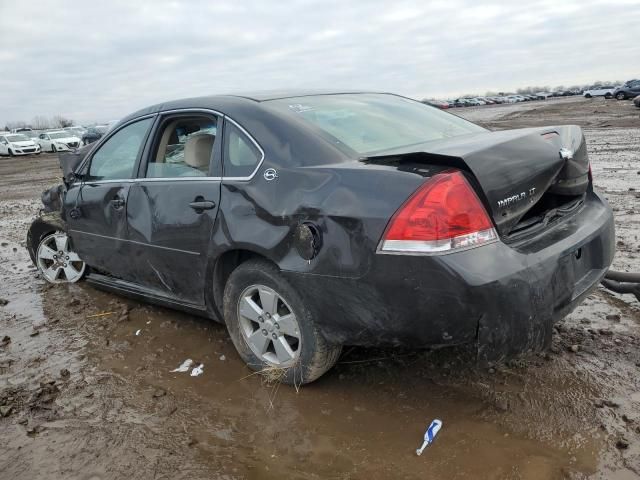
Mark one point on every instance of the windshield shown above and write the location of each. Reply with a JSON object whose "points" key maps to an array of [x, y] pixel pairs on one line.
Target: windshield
{"points": [[60, 135], [368, 123], [18, 138]]}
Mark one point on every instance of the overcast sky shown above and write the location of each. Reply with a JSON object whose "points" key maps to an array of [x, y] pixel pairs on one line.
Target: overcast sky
{"points": [[99, 60]]}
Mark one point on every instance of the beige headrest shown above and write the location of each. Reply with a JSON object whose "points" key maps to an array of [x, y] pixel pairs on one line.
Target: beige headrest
{"points": [[197, 151]]}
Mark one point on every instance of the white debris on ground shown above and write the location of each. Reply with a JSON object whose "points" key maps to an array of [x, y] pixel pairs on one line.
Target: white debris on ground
{"points": [[184, 366], [199, 370]]}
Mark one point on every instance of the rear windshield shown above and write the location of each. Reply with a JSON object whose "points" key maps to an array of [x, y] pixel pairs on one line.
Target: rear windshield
{"points": [[370, 123]]}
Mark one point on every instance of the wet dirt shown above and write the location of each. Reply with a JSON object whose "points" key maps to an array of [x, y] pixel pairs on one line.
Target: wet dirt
{"points": [[83, 397]]}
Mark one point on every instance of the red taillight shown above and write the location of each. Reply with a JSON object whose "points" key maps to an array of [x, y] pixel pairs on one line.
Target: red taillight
{"points": [[442, 215]]}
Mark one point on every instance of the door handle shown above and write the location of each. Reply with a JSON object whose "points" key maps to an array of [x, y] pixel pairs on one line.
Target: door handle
{"points": [[201, 205]]}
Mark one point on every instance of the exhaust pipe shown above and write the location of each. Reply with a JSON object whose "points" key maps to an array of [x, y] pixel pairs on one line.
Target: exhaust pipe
{"points": [[622, 282]]}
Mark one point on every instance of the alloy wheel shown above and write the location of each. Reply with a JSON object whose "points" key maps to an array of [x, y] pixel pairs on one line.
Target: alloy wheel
{"points": [[57, 262], [269, 326]]}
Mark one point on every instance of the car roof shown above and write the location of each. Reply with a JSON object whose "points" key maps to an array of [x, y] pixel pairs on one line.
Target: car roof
{"points": [[267, 95], [231, 104]]}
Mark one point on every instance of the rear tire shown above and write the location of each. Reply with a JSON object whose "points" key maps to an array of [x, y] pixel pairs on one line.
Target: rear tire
{"points": [[588, 95], [311, 355]]}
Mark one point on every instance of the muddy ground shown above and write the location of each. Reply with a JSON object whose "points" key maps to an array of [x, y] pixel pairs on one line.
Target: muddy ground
{"points": [[83, 397]]}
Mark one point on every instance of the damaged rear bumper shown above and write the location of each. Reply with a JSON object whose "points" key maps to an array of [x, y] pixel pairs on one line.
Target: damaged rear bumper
{"points": [[504, 297]]}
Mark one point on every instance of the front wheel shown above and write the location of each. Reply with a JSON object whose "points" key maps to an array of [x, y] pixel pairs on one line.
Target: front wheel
{"points": [[620, 96], [11, 154], [57, 261], [53, 148], [588, 95], [271, 327]]}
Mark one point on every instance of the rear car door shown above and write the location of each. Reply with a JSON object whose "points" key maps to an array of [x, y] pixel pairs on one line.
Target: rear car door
{"points": [[173, 205], [96, 206]]}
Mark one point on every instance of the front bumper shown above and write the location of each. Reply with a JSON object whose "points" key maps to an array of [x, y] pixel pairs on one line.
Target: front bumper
{"points": [[26, 150], [504, 297]]}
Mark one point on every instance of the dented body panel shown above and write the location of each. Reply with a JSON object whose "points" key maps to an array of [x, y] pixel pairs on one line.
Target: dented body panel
{"points": [[514, 168], [321, 219]]}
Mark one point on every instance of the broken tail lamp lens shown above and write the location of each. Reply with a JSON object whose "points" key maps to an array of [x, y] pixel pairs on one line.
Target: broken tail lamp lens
{"points": [[443, 215]]}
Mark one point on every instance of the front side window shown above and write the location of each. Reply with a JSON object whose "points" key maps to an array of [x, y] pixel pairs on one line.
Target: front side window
{"points": [[183, 148], [369, 123], [116, 158], [241, 156]]}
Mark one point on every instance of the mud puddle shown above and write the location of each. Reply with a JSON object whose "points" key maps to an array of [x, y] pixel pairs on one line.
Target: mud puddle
{"points": [[89, 398]]}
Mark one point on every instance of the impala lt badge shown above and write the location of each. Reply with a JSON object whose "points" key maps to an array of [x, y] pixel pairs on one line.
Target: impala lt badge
{"points": [[506, 202]]}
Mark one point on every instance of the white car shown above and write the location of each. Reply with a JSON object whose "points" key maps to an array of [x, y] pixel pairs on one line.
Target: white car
{"points": [[58, 141], [17, 144], [606, 92]]}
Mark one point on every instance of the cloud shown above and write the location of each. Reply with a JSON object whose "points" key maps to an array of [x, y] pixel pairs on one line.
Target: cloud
{"points": [[96, 61]]}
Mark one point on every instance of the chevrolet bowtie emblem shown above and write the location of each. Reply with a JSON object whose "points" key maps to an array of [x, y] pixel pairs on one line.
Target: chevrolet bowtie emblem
{"points": [[566, 154]]}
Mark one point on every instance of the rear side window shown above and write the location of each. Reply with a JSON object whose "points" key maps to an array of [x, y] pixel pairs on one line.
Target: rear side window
{"points": [[241, 156], [116, 158]]}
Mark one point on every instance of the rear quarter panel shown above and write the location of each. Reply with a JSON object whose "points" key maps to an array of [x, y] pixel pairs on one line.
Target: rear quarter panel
{"points": [[349, 203]]}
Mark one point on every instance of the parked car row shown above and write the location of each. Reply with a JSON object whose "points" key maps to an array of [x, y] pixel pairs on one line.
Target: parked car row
{"points": [[491, 100], [630, 89], [26, 141]]}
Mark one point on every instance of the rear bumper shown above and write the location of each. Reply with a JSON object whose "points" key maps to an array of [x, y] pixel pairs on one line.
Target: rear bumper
{"points": [[504, 297]]}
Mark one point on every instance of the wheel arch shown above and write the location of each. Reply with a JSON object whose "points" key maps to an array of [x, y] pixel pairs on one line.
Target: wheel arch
{"points": [[39, 228], [218, 272]]}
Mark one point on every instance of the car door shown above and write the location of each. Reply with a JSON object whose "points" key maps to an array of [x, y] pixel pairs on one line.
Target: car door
{"points": [[635, 88], [96, 205], [173, 205]]}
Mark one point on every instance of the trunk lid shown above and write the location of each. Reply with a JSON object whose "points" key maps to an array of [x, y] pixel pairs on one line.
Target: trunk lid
{"points": [[532, 170]]}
